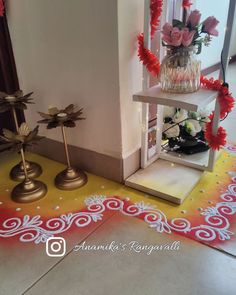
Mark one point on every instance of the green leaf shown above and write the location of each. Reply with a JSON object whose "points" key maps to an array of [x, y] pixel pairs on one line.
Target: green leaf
{"points": [[177, 23], [199, 48], [167, 46], [196, 36]]}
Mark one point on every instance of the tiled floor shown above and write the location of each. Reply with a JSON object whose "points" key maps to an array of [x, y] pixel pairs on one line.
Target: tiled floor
{"points": [[193, 269]]}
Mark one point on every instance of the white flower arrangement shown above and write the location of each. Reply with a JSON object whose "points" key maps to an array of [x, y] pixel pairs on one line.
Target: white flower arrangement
{"points": [[171, 130], [193, 127], [185, 129], [180, 116]]}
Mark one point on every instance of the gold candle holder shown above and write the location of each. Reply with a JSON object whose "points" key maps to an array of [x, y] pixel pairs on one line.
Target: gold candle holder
{"points": [[28, 190], [71, 178], [34, 170]]}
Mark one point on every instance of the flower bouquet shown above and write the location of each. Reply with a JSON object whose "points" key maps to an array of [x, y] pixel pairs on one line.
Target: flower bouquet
{"points": [[180, 69]]}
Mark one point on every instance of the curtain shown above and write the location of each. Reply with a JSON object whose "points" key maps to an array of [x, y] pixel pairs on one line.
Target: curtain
{"points": [[8, 75]]}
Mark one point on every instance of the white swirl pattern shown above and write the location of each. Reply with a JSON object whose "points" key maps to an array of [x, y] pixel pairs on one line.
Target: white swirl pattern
{"points": [[217, 225], [230, 148]]}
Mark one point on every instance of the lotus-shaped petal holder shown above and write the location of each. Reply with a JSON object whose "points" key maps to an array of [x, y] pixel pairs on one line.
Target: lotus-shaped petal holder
{"points": [[28, 190], [11, 102], [71, 178]]}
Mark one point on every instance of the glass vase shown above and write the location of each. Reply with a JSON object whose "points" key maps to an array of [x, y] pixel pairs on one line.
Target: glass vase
{"points": [[180, 70]]}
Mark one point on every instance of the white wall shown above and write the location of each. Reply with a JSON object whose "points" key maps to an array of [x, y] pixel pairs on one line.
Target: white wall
{"points": [[130, 24], [211, 55], [67, 52], [85, 52]]}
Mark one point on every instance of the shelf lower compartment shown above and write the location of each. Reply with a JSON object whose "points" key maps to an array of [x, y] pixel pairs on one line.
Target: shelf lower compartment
{"points": [[198, 161], [163, 179]]}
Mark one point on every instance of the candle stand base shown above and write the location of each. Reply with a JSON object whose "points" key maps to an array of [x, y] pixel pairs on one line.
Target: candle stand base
{"points": [[70, 179], [34, 170], [29, 191]]}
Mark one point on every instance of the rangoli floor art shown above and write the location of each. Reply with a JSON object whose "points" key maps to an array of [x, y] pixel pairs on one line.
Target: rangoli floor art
{"points": [[208, 215]]}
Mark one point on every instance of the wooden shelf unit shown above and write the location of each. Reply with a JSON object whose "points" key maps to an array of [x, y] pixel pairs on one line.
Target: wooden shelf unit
{"points": [[190, 101], [161, 176]]}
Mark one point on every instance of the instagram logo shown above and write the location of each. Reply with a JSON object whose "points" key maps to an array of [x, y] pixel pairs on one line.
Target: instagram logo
{"points": [[56, 247]]}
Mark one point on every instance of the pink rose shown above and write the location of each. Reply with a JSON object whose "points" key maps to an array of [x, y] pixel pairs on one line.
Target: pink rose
{"points": [[167, 29], [194, 18], [172, 36], [176, 37], [187, 37], [209, 26]]}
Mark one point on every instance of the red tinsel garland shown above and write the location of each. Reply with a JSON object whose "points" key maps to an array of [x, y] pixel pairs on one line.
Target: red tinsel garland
{"points": [[156, 11], [225, 98], [215, 141], [1, 8], [149, 60], [152, 63], [226, 102]]}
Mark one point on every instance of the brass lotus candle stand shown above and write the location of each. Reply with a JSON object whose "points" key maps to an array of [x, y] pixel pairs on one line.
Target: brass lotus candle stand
{"points": [[29, 190], [10, 103], [71, 178]]}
